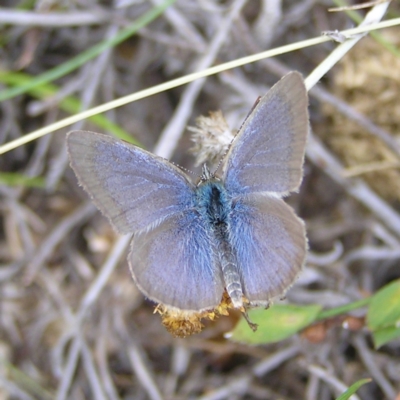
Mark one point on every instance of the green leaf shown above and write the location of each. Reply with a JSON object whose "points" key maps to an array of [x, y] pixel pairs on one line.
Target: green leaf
{"points": [[275, 324], [385, 335], [384, 309], [17, 179], [352, 389]]}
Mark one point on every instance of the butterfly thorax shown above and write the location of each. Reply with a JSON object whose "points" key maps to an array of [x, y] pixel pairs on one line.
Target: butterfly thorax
{"points": [[213, 202], [214, 205]]}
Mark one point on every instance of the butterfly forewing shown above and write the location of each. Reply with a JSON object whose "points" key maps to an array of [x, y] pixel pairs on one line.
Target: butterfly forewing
{"points": [[267, 154], [174, 264], [270, 246], [131, 187]]}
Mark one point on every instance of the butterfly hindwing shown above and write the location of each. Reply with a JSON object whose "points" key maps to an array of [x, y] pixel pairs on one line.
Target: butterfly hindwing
{"points": [[270, 246], [174, 263]]}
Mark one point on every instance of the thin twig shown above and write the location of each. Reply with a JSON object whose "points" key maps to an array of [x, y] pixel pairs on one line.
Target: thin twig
{"points": [[57, 234], [358, 6], [69, 370], [368, 360], [329, 378], [101, 356], [183, 27], [103, 276], [91, 372], [139, 363], [240, 385], [321, 157], [172, 132], [58, 20]]}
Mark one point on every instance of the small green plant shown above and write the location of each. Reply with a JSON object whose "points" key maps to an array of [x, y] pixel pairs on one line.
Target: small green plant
{"points": [[284, 320]]}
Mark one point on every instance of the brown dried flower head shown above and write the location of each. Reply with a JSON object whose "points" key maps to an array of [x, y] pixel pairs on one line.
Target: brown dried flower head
{"points": [[183, 323], [211, 137]]}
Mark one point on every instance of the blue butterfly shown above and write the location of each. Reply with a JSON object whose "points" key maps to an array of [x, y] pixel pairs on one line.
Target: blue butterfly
{"points": [[234, 232]]}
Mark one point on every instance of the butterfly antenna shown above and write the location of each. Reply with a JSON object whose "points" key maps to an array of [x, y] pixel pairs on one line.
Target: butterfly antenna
{"points": [[188, 171], [222, 158]]}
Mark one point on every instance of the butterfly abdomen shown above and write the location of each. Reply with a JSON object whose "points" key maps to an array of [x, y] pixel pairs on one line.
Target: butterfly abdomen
{"points": [[229, 268], [215, 207]]}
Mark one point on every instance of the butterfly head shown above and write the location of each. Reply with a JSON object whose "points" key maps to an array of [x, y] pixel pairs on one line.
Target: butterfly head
{"points": [[207, 175]]}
